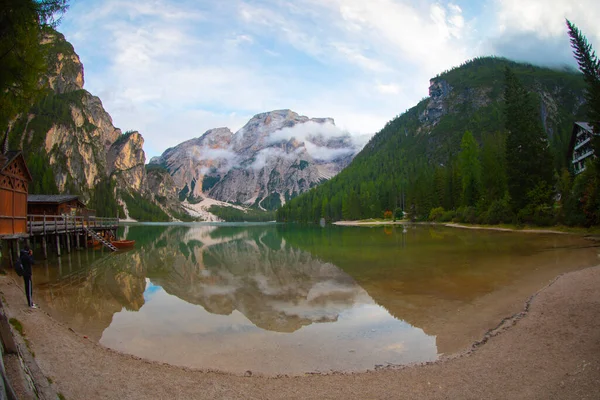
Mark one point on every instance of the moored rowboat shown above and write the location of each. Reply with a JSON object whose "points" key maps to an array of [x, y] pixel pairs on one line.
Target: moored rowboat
{"points": [[122, 244]]}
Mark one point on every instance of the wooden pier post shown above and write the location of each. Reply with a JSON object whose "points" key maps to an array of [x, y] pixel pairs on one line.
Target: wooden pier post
{"points": [[58, 245], [11, 255], [77, 240], [68, 239], [44, 247]]}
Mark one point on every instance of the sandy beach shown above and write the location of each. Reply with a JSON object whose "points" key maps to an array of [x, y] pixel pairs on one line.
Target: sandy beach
{"points": [[548, 350], [448, 224]]}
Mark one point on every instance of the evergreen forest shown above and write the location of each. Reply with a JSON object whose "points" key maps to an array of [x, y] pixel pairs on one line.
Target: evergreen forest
{"points": [[498, 153]]}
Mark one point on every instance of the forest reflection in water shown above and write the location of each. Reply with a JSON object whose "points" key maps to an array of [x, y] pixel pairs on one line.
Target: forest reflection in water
{"points": [[292, 299]]}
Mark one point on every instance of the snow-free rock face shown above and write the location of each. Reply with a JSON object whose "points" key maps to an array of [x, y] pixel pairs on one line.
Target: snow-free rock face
{"points": [[190, 161], [126, 159], [76, 132], [65, 71], [274, 157]]}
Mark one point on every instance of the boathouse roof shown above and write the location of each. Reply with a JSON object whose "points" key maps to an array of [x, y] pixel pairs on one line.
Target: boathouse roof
{"points": [[52, 198], [9, 157]]}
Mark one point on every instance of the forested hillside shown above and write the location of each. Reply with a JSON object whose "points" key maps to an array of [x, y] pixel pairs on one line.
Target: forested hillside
{"points": [[449, 152]]}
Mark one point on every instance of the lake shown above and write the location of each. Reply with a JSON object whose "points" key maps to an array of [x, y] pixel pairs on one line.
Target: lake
{"points": [[289, 299]]}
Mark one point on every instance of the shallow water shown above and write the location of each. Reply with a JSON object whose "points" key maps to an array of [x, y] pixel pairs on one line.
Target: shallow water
{"points": [[282, 299]]}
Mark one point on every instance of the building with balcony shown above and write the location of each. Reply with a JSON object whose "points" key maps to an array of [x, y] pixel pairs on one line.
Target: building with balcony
{"points": [[580, 147]]}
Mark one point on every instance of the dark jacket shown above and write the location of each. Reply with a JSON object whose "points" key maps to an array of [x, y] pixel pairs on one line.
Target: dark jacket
{"points": [[27, 261]]}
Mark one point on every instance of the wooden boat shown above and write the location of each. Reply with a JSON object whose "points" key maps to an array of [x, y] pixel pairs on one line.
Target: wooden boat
{"points": [[123, 244], [94, 243]]}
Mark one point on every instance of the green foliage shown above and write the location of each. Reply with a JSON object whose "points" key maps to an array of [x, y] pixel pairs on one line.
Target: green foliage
{"points": [[436, 213], [142, 209], [52, 109], [271, 202], [470, 215], [183, 193], [183, 216], [17, 325], [303, 164], [470, 169], [103, 200], [494, 183], [528, 160], [209, 182], [42, 174], [589, 65], [582, 205], [398, 213], [23, 60], [416, 166], [156, 168], [232, 214], [123, 138]]}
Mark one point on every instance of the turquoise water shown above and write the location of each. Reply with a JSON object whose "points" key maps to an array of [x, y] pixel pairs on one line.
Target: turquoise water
{"points": [[281, 299]]}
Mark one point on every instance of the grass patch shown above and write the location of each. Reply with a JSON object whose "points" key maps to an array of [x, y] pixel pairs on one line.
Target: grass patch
{"points": [[61, 396], [17, 325], [50, 381]]}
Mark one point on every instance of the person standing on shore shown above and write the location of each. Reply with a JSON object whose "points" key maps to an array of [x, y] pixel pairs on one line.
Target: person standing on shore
{"points": [[27, 261]]}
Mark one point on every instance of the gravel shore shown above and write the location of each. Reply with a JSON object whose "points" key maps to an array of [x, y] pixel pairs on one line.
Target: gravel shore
{"points": [[549, 350]]}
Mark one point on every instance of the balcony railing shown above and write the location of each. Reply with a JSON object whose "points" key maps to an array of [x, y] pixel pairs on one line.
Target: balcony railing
{"points": [[53, 224]]}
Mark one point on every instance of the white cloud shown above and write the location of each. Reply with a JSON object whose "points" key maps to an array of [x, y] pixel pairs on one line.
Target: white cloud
{"points": [[535, 30], [207, 153], [390, 88], [174, 69], [269, 154], [301, 132], [546, 18], [322, 153]]}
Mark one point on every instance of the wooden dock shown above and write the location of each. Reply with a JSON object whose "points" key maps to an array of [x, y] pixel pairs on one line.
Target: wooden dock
{"points": [[62, 233]]}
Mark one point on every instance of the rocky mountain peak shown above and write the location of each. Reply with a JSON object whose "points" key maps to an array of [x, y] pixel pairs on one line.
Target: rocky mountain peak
{"points": [[274, 157], [126, 160], [65, 70], [257, 133], [439, 90], [216, 137]]}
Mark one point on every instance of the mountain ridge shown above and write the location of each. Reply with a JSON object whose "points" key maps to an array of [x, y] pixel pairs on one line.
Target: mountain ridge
{"points": [[272, 158], [412, 163]]}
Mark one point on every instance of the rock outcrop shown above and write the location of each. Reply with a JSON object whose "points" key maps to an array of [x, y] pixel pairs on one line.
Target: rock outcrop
{"points": [[126, 160], [273, 158], [78, 136]]}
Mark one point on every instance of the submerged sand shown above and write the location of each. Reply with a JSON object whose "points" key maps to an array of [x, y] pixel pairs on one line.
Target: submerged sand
{"points": [[548, 350]]}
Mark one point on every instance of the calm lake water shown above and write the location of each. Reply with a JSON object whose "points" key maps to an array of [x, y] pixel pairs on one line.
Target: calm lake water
{"points": [[280, 299]]}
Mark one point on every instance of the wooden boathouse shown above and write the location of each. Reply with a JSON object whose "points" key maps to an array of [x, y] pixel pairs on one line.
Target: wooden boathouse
{"points": [[60, 204], [14, 185], [58, 221]]}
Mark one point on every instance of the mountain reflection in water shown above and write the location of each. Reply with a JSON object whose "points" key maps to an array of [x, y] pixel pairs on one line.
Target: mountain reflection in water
{"points": [[280, 299]]}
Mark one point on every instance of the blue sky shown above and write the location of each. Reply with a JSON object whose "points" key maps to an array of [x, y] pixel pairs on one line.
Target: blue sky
{"points": [[173, 69]]}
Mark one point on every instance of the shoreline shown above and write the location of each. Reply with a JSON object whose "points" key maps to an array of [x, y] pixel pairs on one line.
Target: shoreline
{"points": [[457, 225], [557, 327]]}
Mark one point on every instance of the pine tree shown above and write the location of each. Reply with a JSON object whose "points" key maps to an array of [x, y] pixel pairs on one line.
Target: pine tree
{"points": [[470, 169], [493, 165], [589, 65], [528, 158], [22, 61]]}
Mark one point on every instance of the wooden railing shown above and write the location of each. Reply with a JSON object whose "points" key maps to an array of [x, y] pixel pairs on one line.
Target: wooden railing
{"points": [[54, 224]]}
